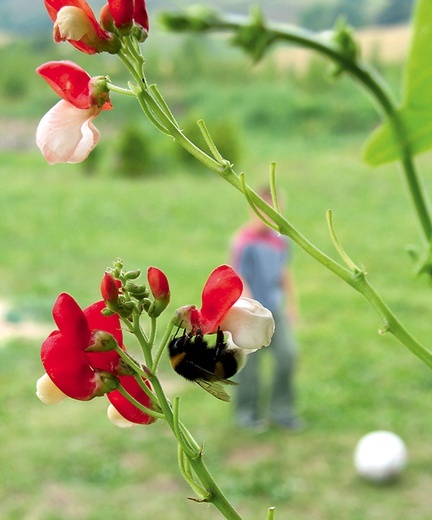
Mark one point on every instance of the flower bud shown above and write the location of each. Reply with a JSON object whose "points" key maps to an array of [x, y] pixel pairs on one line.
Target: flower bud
{"points": [[187, 317], [106, 19], [110, 288], [122, 12], [140, 14], [102, 342], [99, 92], [159, 287]]}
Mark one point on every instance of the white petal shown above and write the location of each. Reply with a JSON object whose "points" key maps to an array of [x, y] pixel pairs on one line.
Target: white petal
{"points": [[67, 134], [48, 392], [250, 324], [72, 23], [117, 418]]}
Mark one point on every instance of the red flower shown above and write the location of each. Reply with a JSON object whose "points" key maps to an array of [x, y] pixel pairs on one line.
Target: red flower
{"points": [[79, 374], [125, 407], [75, 22], [66, 132], [221, 291]]}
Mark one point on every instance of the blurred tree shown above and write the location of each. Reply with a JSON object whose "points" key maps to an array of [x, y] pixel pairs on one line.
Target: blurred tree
{"points": [[321, 16], [395, 12]]}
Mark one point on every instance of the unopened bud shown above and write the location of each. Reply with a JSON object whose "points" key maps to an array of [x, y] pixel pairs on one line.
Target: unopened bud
{"points": [[107, 382], [186, 317], [159, 287], [102, 342], [99, 91], [110, 288]]}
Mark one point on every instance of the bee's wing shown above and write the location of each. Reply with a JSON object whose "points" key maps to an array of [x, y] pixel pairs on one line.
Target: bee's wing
{"points": [[214, 388]]}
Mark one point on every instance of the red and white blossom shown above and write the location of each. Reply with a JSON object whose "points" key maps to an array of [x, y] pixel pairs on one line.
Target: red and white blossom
{"points": [[75, 22], [246, 323], [66, 133]]}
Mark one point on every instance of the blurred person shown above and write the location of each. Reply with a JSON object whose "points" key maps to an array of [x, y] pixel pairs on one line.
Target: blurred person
{"points": [[261, 257]]}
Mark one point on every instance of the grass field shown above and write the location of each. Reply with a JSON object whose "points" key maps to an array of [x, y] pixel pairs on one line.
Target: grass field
{"points": [[60, 229]]}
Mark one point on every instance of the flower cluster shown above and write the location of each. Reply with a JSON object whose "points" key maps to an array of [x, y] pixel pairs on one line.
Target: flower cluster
{"points": [[82, 361], [85, 356], [67, 133]]}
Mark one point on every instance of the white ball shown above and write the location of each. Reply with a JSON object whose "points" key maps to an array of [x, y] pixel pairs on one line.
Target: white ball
{"points": [[380, 456]]}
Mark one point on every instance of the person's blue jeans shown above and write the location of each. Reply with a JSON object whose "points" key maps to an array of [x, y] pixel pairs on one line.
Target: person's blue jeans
{"points": [[249, 392]]}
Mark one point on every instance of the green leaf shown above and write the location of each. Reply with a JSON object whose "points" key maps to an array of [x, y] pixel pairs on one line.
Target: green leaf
{"points": [[382, 146], [416, 110]]}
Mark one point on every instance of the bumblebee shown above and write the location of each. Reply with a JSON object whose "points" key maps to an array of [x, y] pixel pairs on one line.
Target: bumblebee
{"points": [[209, 366]]}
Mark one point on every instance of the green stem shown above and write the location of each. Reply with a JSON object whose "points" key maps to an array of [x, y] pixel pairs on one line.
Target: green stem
{"points": [[214, 494], [130, 362], [371, 81], [270, 513], [138, 405], [162, 346]]}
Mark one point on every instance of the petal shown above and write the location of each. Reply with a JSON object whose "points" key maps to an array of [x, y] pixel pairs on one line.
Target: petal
{"points": [[69, 81], [48, 392], [54, 6], [68, 367], [71, 320], [66, 134], [222, 289], [117, 418], [250, 324], [125, 407], [109, 361], [97, 321]]}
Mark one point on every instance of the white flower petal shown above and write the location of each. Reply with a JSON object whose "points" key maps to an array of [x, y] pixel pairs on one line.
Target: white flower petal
{"points": [[67, 134], [72, 23], [48, 392], [250, 324], [117, 418]]}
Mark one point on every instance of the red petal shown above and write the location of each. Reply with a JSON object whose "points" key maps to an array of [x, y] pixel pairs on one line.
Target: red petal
{"points": [[68, 367], [69, 81], [54, 6], [222, 289], [110, 360], [71, 321], [125, 407]]}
